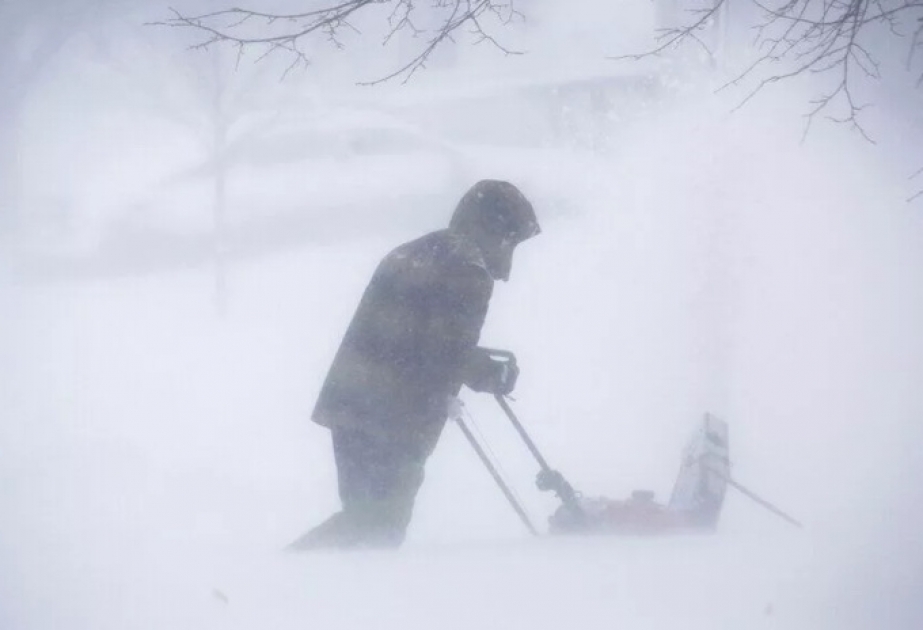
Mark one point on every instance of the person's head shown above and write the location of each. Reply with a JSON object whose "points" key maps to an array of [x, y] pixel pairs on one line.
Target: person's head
{"points": [[497, 217]]}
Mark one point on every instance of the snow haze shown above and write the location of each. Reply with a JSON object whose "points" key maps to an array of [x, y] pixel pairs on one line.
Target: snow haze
{"points": [[160, 351]]}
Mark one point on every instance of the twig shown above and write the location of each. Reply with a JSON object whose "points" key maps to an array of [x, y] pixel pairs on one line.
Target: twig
{"points": [[285, 32], [812, 37]]}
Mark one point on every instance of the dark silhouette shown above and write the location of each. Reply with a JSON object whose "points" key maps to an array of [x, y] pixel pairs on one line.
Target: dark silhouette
{"points": [[411, 345]]}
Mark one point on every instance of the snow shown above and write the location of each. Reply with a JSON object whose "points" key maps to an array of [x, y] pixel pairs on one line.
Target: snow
{"points": [[155, 457]]}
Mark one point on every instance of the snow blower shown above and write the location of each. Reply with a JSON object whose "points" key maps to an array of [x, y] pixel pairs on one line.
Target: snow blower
{"points": [[695, 503]]}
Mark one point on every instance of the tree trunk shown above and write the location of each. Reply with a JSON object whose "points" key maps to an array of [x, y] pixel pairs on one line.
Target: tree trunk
{"points": [[18, 73], [220, 224], [219, 158], [11, 111]]}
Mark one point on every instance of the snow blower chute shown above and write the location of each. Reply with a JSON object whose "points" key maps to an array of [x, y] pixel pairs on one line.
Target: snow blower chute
{"points": [[695, 502]]}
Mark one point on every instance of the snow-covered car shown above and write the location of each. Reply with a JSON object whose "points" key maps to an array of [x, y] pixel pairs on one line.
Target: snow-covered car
{"points": [[345, 171]]}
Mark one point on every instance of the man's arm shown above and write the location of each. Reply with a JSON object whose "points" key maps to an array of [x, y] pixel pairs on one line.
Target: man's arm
{"points": [[456, 322]]}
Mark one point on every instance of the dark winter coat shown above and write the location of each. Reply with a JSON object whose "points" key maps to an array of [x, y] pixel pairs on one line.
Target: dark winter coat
{"points": [[404, 351]]}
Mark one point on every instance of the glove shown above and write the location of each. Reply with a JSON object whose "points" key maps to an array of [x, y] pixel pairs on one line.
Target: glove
{"points": [[493, 373], [549, 480]]}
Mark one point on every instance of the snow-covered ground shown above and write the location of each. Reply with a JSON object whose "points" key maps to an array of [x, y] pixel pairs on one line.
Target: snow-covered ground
{"points": [[154, 458]]}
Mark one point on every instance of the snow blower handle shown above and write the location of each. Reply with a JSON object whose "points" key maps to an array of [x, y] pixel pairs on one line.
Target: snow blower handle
{"points": [[547, 478]]}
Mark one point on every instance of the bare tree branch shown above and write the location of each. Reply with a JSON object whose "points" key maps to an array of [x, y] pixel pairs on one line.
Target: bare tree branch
{"points": [[819, 37], [672, 37], [462, 13], [285, 33]]}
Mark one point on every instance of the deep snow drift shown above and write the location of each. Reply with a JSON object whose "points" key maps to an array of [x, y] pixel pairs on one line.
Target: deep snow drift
{"points": [[154, 458]]}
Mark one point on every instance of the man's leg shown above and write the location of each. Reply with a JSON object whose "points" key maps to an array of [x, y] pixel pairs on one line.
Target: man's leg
{"points": [[344, 528], [378, 480], [381, 492]]}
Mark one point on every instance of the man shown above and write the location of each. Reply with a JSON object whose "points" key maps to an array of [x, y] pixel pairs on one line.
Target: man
{"points": [[411, 345]]}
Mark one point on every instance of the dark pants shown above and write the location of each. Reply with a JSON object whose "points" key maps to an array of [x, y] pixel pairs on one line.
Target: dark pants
{"points": [[378, 479]]}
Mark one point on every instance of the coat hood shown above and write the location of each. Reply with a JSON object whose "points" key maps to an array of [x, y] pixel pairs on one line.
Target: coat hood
{"points": [[497, 217]]}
